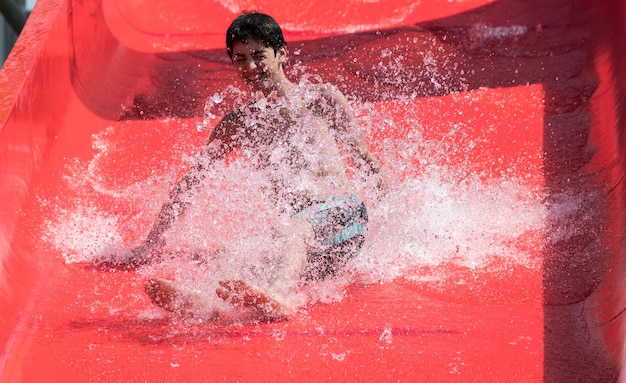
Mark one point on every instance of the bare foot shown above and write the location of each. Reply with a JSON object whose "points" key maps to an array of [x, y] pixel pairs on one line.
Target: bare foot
{"points": [[240, 293], [181, 301]]}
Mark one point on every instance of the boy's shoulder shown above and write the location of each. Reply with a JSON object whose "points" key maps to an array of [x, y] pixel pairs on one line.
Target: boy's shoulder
{"points": [[231, 123], [323, 89], [325, 94]]}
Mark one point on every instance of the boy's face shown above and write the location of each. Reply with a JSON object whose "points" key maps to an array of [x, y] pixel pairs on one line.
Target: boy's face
{"points": [[258, 66]]}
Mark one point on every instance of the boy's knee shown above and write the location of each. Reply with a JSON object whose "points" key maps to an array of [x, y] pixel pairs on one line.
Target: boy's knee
{"points": [[294, 230]]}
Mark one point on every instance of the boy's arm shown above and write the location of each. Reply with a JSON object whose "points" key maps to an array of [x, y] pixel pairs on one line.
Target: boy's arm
{"points": [[218, 147], [353, 140]]}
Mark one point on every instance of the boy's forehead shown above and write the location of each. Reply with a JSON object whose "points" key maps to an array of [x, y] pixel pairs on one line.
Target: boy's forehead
{"points": [[249, 46]]}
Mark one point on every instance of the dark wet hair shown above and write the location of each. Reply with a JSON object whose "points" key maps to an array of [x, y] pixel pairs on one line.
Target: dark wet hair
{"points": [[255, 26]]}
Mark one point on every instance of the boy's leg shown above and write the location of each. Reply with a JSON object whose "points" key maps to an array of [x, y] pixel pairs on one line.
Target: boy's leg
{"points": [[240, 293], [232, 260], [329, 262], [180, 300], [271, 303]]}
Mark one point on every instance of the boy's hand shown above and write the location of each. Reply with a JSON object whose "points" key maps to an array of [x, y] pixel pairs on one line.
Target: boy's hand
{"points": [[377, 185], [146, 253]]}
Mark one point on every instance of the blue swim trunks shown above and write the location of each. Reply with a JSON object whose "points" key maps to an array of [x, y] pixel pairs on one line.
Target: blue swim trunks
{"points": [[340, 225]]}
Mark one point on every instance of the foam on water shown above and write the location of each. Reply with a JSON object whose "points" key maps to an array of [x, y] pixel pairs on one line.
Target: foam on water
{"points": [[84, 233], [430, 222]]}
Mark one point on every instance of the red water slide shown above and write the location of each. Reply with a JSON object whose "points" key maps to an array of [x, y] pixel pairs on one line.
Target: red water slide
{"points": [[498, 254]]}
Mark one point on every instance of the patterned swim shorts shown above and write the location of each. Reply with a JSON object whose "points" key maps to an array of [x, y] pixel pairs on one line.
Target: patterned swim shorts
{"points": [[340, 225]]}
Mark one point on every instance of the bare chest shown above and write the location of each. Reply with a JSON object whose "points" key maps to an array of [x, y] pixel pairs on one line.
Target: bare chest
{"points": [[298, 133]]}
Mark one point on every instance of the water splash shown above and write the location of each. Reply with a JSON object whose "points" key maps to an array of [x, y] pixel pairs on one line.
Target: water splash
{"points": [[84, 233], [436, 212]]}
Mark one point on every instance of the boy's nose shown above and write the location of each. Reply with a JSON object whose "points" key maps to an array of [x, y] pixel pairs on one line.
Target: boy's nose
{"points": [[250, 65]]}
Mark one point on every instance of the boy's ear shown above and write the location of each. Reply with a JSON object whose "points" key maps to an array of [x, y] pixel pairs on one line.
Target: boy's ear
{"points": [[281, 54]]}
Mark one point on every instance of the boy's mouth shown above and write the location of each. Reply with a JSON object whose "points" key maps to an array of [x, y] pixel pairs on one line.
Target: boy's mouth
{"points": [[254, 79]]}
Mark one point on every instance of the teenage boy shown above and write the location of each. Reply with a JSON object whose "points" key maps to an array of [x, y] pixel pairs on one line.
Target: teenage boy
{"points": [[292, 136]]}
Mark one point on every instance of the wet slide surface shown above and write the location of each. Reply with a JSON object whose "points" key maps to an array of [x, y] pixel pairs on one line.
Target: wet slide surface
{"points": [[480, 111]]}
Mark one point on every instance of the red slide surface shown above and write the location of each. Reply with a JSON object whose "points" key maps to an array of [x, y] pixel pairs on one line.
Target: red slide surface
{"points": [[496, 256]]}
